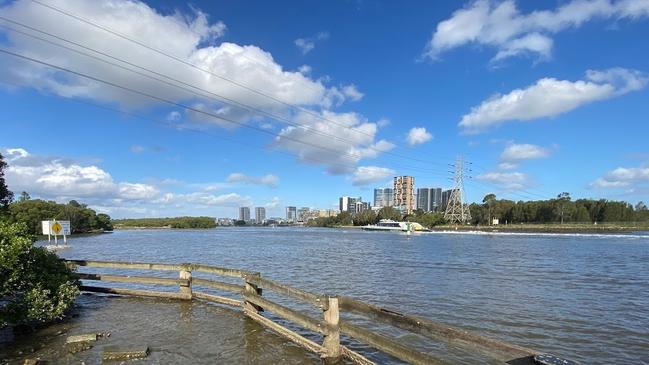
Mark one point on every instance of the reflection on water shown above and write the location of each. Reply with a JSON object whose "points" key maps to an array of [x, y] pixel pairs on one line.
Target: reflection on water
{"points": [[583, 297]]}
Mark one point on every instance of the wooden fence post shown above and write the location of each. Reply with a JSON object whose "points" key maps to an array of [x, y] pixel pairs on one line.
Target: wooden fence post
{"points": [[186, 273], [332, 336], [251, 289]]}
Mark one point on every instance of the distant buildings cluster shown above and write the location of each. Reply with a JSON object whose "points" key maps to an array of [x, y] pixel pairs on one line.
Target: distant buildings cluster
{"points": [[402, 196]]}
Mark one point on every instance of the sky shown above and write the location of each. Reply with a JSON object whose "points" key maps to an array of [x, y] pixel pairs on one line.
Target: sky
{"points": [[164, 108]]}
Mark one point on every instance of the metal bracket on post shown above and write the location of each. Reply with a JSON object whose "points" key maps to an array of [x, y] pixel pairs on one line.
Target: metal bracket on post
{"points": [[186, 273], [331, 341]]}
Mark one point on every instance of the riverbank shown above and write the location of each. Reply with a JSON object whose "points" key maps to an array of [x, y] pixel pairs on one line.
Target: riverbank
{"points": [[549, 228]]}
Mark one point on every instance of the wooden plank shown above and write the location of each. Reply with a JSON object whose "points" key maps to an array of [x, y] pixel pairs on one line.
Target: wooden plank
{"points": [[389, 346], [499, 350], [319, 301], [294, 337], [133, 279], [223, 271], [217, 299], [218, 285], [356, 358], [289, 314], [127, 265], [136, 293]]}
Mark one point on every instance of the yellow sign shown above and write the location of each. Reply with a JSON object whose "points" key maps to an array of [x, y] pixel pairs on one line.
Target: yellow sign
{"points": [[56, 228]]}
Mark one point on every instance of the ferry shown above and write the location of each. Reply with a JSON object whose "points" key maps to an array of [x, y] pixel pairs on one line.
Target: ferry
{"points": [[390, 225]]}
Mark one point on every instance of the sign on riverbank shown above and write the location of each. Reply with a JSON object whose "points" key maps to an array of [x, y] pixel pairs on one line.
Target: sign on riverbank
{"points": [[56, 228]]}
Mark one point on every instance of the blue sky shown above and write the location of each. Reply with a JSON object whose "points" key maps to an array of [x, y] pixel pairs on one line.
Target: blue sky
{"points": [[346, 95]]}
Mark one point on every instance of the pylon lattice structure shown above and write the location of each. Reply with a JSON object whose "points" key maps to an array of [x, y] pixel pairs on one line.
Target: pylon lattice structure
{"points": [[457, 211]]}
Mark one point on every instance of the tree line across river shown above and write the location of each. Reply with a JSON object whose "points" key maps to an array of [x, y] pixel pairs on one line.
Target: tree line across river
{"points": [[552, 211]]}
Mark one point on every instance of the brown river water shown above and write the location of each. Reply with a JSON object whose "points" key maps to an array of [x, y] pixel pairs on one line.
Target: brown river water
{"points": [[584, 297]]}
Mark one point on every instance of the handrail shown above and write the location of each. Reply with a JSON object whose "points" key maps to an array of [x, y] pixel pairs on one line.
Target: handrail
{"points": [[330, 327]]}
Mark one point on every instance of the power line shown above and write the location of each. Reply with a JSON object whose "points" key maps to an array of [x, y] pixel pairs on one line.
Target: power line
{"points": [[214, 96], [167, 124], [202, 69]]}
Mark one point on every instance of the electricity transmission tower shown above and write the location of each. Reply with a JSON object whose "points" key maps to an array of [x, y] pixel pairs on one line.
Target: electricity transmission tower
{"points": [[457, 211]]}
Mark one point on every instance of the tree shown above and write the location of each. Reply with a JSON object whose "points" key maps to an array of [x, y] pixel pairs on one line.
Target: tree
{"points": [[389, 213], [6, 196], [24, 196], [489, 200], [35, 286], [563, 199], [364, 218], [640, 207]]}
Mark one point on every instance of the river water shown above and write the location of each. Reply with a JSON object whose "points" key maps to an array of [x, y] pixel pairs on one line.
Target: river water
{"points": [[584, 297]]}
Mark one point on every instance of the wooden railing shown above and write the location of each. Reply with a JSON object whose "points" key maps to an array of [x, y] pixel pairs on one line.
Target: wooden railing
{"points": [[330, 325]]}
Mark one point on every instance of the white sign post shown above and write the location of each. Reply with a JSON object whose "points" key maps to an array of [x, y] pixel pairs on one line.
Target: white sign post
{"points": [[56, 228]]}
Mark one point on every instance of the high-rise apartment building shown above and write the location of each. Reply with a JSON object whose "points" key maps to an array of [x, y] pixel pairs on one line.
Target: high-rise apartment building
{"points": [[303, 214], [348, 204], [260, 215], [291, 214], [429, 199], [383, 197], [446, 196], [404, 195], [244, 214]]}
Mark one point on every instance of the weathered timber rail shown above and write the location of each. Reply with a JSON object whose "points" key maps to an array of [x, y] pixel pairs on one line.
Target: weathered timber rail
{"points": [[330, 326]]}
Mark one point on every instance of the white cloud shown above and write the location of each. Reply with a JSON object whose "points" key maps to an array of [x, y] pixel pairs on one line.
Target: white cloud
{"points": [[519, 152], [307, 44], [370, 174], [418, 136], [57, 178], [623, 177], [351, 92], [550, 97], [507, 165], [500, 25], [304, 45], [338, 146], [189, 37], [268, 180], [274, 203], [510, 181]]}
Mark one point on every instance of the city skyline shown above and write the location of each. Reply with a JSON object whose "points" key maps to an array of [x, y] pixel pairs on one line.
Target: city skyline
{"points": [[256, 118]]}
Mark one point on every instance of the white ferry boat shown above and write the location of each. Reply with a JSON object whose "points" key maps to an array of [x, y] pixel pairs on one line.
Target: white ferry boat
{"points": [[390, 225]]}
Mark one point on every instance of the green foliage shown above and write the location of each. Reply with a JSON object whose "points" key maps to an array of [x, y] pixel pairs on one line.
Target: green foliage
{"points": [[365, 217], [6, 196], [389, 213], [177, 222], [342, 219], [555, 210], [427, 219], [82, 219], [35, 286]]}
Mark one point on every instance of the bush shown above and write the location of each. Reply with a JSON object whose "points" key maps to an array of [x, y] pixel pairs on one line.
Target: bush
{"points": [[35, 286]]}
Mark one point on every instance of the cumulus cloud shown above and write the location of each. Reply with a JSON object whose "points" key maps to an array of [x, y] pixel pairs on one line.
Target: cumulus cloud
{"points": [[268, 180], [500, 25], [190, 37], [506, 180], [550, 97], [623, 177], [307, 44], [335, 140], [418, 136], [370, 174], [525, 151], [57, 178]]}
